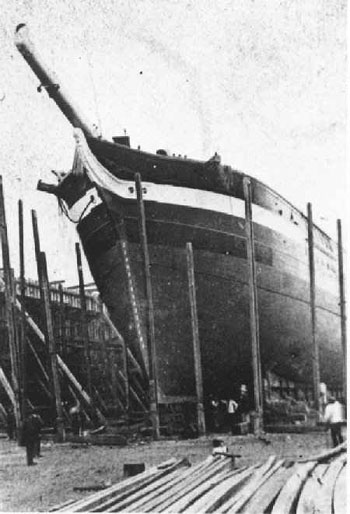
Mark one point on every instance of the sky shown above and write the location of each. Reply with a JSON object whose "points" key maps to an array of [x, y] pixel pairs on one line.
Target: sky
{"points": [[260, 82]]}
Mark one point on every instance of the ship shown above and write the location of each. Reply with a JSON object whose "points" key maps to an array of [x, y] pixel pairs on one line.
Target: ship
{"points": [[201, 202]]}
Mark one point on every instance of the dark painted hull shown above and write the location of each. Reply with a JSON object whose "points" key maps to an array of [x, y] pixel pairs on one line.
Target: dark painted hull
{"points": [[222, 296]]}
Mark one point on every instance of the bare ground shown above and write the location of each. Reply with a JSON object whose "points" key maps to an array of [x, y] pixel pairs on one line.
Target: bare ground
{"points": [[65, 466]]}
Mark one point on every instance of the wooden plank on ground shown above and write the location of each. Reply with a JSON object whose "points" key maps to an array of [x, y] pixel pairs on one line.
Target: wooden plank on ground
{"points": [[238, 501], [218, 495], [311, 490], [99, 501], [149, 503], [128, 503], [60, 506], [187, 500], [263, 499], [286, 500], [90, 487], [339, 494], [189, 482], [112, 504], [196, 490], [324, 499]]}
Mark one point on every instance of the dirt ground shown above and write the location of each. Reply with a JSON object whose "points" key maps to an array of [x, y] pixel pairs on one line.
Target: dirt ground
{"points": [[65, 466]]}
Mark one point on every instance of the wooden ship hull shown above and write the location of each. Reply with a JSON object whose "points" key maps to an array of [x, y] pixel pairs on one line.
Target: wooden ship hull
{"points": [[202, 203]]}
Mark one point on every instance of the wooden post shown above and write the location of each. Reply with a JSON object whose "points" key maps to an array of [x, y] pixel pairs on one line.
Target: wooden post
{"points": [[315, 349], [16, 325], [342, 304], [253, 304], [37, 246], [126, 353], [9, 305], [3, 412], [105, 358], [63, 339], [196, 342], [125, 375], [52, 346], [45, 387], [23, 333], [37, 250], [83, 319], [113, 375], [152, 357], [7, 386], [39, 363], [125, 371]]}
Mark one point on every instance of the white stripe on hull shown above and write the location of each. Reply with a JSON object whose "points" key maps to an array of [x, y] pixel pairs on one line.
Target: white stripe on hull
{"points": [[174, 195], [195, 199], [187, 198], [214, 202]]}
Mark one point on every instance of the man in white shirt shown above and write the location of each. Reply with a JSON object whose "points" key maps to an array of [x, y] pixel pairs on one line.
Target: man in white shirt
{"points": [[334, 417], [231, 413]]}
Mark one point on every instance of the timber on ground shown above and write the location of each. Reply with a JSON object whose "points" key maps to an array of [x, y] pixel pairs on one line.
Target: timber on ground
{"points": [[65, 466]]}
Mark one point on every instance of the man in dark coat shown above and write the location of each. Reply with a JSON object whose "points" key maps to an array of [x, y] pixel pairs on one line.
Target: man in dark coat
{"points": [[39, 425], [11, 424], [31, 433]]}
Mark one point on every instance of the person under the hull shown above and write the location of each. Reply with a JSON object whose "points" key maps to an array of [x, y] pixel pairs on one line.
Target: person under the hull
{"points": [[39, 425], [334, 418], [232, 407], [211, 412], [31, 436], [76, 419], [243, 408], [11, 424]]}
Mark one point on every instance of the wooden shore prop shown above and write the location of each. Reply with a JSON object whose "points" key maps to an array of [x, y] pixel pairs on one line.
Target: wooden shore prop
{"points": [[276, 486]]}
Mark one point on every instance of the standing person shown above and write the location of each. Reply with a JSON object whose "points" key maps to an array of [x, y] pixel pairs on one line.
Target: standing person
{"points": [[39, 425], [243, 404], [30, 437], [334, 417], [214, 406], [76, 419], [221, 414], [11, 424], [231, 414]]}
